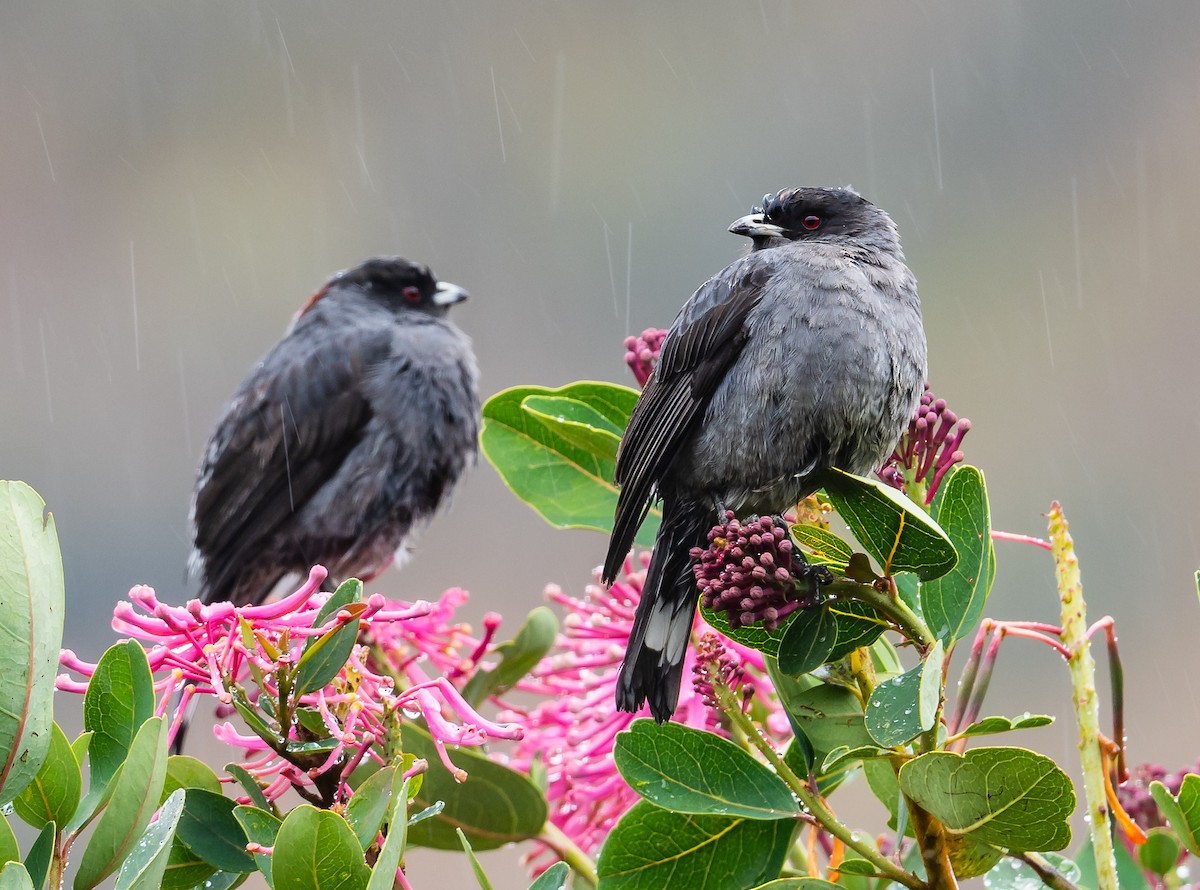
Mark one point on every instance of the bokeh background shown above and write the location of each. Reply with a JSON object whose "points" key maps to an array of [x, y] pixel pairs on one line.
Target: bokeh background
{"points": [[177, 178]]}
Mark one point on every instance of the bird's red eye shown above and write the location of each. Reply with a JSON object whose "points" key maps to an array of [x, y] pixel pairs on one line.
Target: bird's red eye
{"points": [[811, 222], [412, 294]]}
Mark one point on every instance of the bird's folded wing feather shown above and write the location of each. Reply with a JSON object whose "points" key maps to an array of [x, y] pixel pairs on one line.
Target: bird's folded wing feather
{"points": [[287, 429], [705, 339]]}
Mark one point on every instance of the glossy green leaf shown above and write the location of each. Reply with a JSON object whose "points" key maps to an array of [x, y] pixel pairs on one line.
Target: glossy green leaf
{"points": [[544, 464], [953, 604], [688, 770], [808, 640], [494, 806], [250, 785], [481, 878], [188, 772], [118, 701], [842, 755], [147, 862], [651, 848], [15, 877], [54, 793], [185, 869], [31, 625], [905, 706], [556, 877], [577, 422], [518, 656], [41, 852], [829, 716], [995, 725], [261, 827], [316, 850], [858, 625], [1009, 797], [9, 850], [211, 831], [136, 791], [369, 806], [324, 656], [1183, 811], [822, 546], [899, 534], [390, 854], [1160, 853], [348, 592]]}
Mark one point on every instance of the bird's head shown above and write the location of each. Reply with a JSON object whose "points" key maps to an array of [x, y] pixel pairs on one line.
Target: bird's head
{"points": [[817, 214], [396, 283]]}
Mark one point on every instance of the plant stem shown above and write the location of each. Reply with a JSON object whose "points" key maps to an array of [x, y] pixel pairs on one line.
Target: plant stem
{"points": [[553, 837], [888, 605], [931, 838], [1083, 683], [811, 800], [1050, 876]]}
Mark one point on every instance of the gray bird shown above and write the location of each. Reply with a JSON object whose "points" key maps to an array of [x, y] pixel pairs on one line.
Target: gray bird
{"points": [[805, 354], [343, 440]]}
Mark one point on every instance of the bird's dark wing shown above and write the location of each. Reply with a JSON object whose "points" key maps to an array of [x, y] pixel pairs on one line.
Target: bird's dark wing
{"points": [[285, 432], [703, 343]]}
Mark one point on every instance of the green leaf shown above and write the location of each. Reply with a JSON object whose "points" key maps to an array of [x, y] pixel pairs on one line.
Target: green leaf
{"points": [[348, 592], [211, 831], [147, 863], [384, 873], [577, 422], [1009, 797], [688, 770], [54, 794], [261, 827], [41, 852], [553, 878], [953, 604], [31, 624], [9, 850], [518, 657], [118, 702], [805, 883], [995, 725], [899, 534], [808, 640], [185, 869], [543, 461], [136, 790], [188, 772], [822, 546], [1182, 812], [842, 755], [369, 806], [1160, 853], [829, 716], [316, 850], [858, 625], [14, 877], [480, 877], [494, 806], [903, 707], [653, 848], [325, 655]]}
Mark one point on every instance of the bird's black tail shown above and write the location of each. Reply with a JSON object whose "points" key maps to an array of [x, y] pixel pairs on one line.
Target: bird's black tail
{"points": [[653, 664]]}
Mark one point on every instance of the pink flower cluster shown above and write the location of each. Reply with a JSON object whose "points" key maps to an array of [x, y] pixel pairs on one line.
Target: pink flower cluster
{"points": [[641, 353], [928, 448], [572, 730], [231, 652]]}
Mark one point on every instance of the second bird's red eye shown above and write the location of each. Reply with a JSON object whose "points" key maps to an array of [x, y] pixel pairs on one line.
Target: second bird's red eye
{"points": [[412, 294], [811, 222]]}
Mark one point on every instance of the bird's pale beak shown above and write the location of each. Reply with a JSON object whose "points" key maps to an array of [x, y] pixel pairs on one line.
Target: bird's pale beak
{"points": [[755, 226], [448, 294]]}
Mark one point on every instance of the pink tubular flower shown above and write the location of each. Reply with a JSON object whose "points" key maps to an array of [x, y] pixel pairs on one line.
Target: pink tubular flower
{"points": [[929, 447], [641, 353], [240, 656], [571, 731]]}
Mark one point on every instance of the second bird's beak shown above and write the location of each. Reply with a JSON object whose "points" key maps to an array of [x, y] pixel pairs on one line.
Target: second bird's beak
{"points": [[448, 294], [755, 226]]}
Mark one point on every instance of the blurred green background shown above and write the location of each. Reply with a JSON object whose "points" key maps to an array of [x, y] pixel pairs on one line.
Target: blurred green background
{"points": [[178, 177]]}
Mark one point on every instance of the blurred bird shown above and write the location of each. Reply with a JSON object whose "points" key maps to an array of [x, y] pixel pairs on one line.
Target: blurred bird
{"points": [[805, 354], [343, 440]]}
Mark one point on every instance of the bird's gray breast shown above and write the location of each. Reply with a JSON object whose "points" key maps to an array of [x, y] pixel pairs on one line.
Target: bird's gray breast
{"points": [[831, 372]]}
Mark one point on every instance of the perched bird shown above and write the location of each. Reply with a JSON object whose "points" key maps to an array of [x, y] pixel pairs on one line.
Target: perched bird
{"points": [[805, 354], [343, 440]]}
